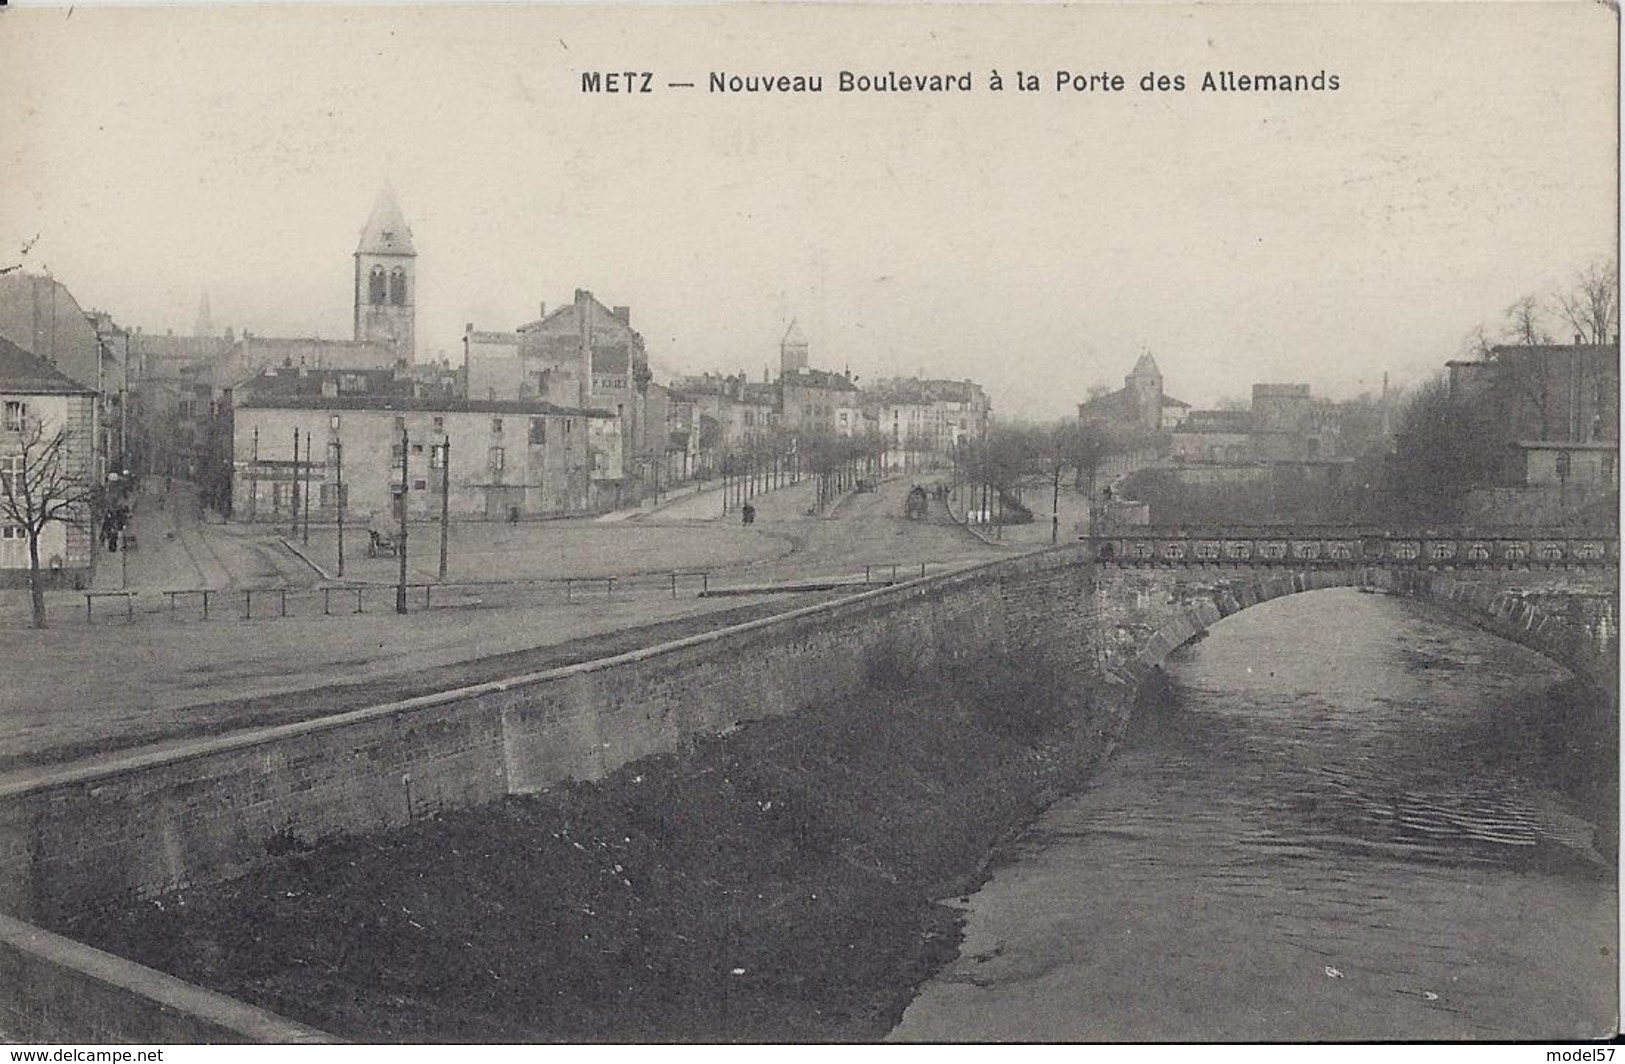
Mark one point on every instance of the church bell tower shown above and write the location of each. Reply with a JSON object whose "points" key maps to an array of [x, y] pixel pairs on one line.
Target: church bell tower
{"points": [[386, 279]]}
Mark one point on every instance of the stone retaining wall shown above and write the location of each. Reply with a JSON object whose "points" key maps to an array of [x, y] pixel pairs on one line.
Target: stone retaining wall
{"points": [[143, 824]]}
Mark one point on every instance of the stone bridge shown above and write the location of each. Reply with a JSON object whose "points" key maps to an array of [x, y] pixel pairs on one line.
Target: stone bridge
{"points": [[1155, 589]]}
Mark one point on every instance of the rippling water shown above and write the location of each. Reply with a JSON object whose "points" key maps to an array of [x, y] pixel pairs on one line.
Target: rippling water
{"points": [[1353, 820]]}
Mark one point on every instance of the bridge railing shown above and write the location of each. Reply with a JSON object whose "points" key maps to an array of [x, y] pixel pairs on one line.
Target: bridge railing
{"points": [[1302, 547]]}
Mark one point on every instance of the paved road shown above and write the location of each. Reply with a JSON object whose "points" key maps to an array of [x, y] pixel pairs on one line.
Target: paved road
{"points": [[75, 688]]}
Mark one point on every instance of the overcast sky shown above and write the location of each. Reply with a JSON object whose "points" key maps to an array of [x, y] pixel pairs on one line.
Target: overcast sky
{"points": [[1036, 242]]}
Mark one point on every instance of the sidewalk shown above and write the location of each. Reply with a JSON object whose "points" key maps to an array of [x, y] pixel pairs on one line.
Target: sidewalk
{"points": [[170, 551], [82, 692], [667, 499]]}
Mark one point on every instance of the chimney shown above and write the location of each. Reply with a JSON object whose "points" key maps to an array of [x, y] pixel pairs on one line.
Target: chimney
{"points": [[541, 311], [1576, 339], [623, 315]]}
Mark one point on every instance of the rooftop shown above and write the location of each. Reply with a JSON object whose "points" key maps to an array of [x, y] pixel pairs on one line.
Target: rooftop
{"points": [[22, 373], [423, 404], [386, 231]]}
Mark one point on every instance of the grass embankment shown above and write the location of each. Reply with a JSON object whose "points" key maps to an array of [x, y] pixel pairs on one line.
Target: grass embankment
{"points": [[775, 884]]}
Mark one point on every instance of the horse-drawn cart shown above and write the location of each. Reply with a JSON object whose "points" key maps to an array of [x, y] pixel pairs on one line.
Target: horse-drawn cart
{"points": [[916, 505], [382, 544]]}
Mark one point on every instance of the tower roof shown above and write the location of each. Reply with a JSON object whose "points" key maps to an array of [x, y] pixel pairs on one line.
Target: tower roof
{"points": [[1146, 367], [793, 336], [386, 232]]}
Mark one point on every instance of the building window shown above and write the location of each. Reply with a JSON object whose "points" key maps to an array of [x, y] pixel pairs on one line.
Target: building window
{"points": [[397, 287], [437, 456], [13, 547], [538, 431], [400, 425], [16, 414], [496, 426], [375, 287], [419, 485], [11, 468], [440, 424], [496, 459], [333, 422]]}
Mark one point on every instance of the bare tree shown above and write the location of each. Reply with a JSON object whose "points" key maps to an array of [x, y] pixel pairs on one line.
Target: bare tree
{"points": [[1526, 376], [1477, 344], [43, 483], [1078, 446], [1592, 306], [1523, 324]]}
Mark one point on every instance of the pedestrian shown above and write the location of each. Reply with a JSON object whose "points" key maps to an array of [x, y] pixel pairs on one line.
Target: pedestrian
{"points": [[748, 514]]}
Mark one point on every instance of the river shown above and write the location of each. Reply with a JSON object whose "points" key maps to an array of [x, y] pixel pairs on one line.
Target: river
{"points": [[1348, 819]]}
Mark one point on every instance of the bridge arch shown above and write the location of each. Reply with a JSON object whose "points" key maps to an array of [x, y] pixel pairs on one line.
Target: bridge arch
{"points": [[1147, 613]]}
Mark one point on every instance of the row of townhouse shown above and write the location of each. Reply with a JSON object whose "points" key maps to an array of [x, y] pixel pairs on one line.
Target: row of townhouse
{"points": [[63, 427], [916, 422]]}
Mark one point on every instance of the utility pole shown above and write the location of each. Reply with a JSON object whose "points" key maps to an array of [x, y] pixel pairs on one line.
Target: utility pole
{"points": [[305, 534], [400, 588], [294, 530], [445, 501], [1055, 508], [254, 477], [338, 488]]}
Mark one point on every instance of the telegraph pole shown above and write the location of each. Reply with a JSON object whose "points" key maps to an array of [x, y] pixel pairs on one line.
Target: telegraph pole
{"points": [[1055, 507], [400, 589], [445, 501], [305, 534], [295, 529], [338, 462], [254, 477]]}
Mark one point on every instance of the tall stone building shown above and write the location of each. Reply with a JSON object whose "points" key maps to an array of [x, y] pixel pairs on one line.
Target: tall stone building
{"points": [[793, 350], [1140, 407], [386, 280]]}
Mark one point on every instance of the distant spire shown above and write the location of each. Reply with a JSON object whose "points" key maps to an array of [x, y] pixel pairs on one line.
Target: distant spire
{"points": [[205, 322], [386, 232]]}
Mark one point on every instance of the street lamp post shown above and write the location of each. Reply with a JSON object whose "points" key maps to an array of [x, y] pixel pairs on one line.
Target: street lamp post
{"points": [[400, 588], [445, 501], [338, 489]]}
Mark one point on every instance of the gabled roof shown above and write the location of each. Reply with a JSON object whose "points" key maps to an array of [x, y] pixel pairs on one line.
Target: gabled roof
{"points": [[22, 373], [793, 336], [823, 379], [386, 231], [1146, 367]]}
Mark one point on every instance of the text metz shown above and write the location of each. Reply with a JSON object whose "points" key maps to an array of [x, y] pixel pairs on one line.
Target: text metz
{"points": [[617, 81]]}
